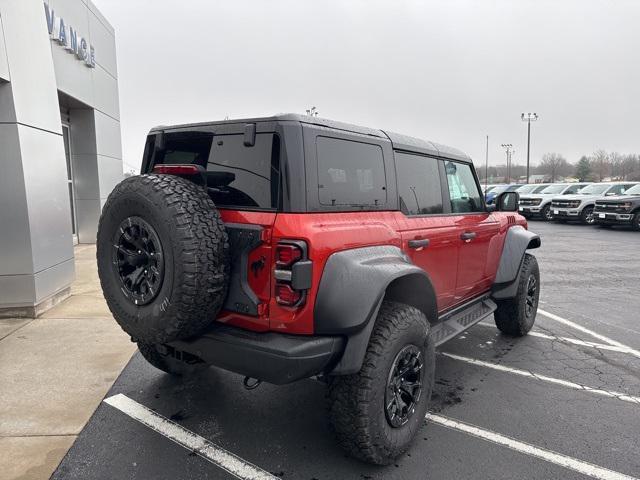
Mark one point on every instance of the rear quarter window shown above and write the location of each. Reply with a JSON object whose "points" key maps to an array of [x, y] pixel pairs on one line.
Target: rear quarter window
{"points": [[350, 173]]}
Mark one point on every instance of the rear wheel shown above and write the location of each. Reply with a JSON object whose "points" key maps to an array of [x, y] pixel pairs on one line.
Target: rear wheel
{"points": [[377, 412], [516, 316], [587, 217]]}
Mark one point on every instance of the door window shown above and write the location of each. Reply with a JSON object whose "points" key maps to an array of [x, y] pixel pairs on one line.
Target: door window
{"points": [[418, 184], [463, 190]]}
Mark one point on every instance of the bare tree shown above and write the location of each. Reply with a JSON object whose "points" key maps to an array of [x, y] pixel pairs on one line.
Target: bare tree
{"points": [[600, 164], [554, 165], [615, 163], [630, 165]]}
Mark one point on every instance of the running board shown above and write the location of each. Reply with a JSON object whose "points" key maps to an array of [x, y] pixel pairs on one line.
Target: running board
{"points": [[459, 320]]}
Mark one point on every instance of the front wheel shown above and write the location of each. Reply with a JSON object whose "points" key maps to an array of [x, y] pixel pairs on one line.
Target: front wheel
{"points": [[377, 412], [635, 221], [546, 214], [516, 316], [587, 216]]}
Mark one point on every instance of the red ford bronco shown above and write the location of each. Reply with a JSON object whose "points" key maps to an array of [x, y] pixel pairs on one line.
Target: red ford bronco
{"points": [[290, 247]]}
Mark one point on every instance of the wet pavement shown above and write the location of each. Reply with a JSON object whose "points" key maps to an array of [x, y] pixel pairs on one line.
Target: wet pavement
{"points": [[569, 394]]}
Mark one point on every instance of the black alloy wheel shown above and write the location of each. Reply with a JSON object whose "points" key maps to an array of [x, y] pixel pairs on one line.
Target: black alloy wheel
{"points": [[531, 305], [404, 386], [138, 260], [547, 214]]}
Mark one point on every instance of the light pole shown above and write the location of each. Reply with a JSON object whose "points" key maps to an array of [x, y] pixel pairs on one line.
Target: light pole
{"points": [[529, 117], [508, 148]]}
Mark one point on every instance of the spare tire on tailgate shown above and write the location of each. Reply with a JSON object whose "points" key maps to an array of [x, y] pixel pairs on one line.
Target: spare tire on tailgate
{"points": [[163, 257]]}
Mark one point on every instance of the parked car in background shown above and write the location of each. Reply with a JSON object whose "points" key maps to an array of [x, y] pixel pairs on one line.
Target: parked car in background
{"points": [[509, 187], [487, 188], [620, 210], [532, 188], [538, 205], [580, 207]]}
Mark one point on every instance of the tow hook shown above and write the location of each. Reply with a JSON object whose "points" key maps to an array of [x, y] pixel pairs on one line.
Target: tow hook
{"points": [[251, 385]]}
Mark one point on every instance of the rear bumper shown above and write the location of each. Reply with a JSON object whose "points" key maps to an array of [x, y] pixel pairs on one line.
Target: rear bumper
{"points": [[272, 357], [613, 218]]}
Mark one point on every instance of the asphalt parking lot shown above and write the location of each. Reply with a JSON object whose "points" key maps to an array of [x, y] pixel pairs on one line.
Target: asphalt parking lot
{"points": [[563, 402]]}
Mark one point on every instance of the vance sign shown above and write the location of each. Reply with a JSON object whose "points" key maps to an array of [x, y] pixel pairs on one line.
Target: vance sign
{"points": [[68, 37]]}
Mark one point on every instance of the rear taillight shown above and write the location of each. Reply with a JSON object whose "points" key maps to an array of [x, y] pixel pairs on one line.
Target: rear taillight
{"points": [[293, 273], [178, 169], [285, 295], [287, 254]]}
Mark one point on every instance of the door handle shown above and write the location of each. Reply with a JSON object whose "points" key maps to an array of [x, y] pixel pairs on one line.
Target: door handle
{"points": [[468, 236], [419, 243]]}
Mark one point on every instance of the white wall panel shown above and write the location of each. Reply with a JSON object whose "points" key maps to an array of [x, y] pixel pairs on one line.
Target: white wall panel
{"points": [[110, 174], [45, 176], [4, 65], [28, 50], [105, 91], [108, 141]]}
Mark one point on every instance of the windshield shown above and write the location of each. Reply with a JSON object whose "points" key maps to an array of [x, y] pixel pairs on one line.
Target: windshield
{"points": [[539, 189], [554, 189], [596, 189], [633, 190], [499, 189], [526, 189]]}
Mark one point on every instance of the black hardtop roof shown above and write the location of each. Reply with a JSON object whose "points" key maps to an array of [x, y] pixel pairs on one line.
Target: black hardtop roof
{"points": [[399, 141]]}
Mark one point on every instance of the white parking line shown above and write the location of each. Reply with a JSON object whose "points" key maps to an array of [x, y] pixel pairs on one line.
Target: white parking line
{"points": [[585, 468], [220, 457], [525, 373], [575, 341], [603, 338]]}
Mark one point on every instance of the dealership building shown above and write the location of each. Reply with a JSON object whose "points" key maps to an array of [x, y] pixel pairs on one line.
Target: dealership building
{"points": [[60, 146]]}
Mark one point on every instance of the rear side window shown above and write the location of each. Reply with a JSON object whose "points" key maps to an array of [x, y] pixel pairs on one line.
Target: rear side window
{"points": [[418, 184], [350, 173]]}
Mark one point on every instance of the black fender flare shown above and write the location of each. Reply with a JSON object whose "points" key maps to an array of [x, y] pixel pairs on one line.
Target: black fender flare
{"points": [[516, 243], [353, 285]]}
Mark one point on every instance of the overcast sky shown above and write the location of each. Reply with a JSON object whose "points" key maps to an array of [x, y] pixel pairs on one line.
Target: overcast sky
{"points": [[448, 71]]}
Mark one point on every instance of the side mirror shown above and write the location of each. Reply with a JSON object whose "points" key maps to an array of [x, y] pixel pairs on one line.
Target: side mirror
{"points": [[507, 202]]}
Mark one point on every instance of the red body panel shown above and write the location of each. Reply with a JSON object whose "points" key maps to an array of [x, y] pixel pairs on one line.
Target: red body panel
{"points": [[459, 269]]}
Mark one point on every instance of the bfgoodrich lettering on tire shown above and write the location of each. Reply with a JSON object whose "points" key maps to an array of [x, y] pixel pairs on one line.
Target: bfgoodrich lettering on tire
{"points": [[516, 316], [162, 255], [377, 412]]}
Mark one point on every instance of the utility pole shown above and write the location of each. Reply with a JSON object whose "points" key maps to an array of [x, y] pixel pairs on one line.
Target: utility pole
{"points": [[486, 167], [529, 117], [508, 148]]}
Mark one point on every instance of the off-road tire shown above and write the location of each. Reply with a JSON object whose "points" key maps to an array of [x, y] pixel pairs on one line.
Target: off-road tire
{"points": [[512, 316], [194, 251], [355, 402], [167, 364], [586, 214], [635, 221]]}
